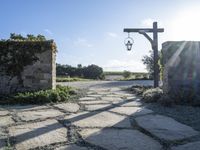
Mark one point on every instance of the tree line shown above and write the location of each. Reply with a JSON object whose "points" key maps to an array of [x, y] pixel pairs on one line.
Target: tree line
{"points": [[88, 72]]}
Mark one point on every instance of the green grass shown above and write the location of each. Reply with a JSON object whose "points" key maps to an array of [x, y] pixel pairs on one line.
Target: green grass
{"points": [[121, 73], [60, 94], [68, 79], [133, 78]]}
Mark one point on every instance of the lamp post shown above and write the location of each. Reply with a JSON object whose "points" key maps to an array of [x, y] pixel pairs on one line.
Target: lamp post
{"points": [[154, 45]]}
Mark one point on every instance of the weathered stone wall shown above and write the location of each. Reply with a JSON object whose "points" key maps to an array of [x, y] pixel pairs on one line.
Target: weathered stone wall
{"points": [[40, 75], [181, 74]]}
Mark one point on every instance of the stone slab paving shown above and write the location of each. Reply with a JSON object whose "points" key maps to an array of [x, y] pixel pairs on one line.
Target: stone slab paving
{"points": [[87, 98], [94, 95], [2, 139], [131, 104], [39, 114], [71, 147], [113, 139], [4, 112], [113, 95], [100, 119], [68, 107], [189, 146], [97, 107], [94, 102], [6, 120], [131, 111], [2, 144], [111, 98], [131, 97], [26, 107], [165, 128], [32, 135]]}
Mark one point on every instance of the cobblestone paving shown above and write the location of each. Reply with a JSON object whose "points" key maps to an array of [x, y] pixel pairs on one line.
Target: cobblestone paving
{"points": [[107, 118]]}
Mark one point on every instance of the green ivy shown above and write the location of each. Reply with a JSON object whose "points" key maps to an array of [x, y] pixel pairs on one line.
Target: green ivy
{"points": [[18, 52]]}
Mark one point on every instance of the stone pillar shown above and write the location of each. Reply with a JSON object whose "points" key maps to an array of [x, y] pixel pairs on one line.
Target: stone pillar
{"points": [[181, 74]]}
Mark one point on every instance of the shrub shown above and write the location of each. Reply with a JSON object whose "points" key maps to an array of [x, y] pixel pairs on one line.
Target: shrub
{"points": [[138, 89], [60, 94], [126, 74], [93, 72], [152, 95]]}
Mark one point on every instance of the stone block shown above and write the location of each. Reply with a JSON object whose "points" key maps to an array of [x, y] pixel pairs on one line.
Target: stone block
{"points": [[33, 135], [165, 128], [71, 147], [68, 107], [100, 119], [188, 146], [131, 111], [39, 114], [114, 139], [6, 120]]}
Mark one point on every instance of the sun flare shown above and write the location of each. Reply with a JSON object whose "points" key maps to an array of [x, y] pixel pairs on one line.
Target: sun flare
{"points": [[186, 25]]}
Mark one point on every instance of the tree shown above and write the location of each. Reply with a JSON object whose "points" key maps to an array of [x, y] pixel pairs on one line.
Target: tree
{"points": [[126, 74], [93, 72], [148, 61], [90, 72]]}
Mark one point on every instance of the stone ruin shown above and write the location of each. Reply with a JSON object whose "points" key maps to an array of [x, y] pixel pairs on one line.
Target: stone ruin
{"points": [[181, 73], [40, 75]]}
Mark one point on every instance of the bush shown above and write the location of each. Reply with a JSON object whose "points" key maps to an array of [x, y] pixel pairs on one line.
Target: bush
{"points": [[139, 90], [60, 94], [93, 72], [152, 95], [126, 74]]}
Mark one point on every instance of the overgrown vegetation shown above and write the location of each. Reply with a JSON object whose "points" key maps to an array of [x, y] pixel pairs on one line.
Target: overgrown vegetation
{"points": [[60, 94], [18, 52], [149, 94], [89, 72], [152, 95], [148, 61]]}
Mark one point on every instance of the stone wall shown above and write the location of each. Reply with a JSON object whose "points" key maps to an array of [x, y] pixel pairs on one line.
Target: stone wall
{"points": [[181, 74], [40, 75]]}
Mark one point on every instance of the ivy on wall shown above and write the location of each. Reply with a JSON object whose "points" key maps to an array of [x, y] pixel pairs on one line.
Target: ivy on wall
{"points": [[18, 52]]}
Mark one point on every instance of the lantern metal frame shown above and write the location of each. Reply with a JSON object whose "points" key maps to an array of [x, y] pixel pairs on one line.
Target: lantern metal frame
{"points": [[129, 42]]}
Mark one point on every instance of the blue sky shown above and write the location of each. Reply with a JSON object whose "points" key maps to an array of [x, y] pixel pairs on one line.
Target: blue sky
{"points": [[91, 31]]}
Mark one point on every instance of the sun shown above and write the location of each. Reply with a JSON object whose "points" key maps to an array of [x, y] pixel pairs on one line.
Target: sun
{"points": [[186, 25]]}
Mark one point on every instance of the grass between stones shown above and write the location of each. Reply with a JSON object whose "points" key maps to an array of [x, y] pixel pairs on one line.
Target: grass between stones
{"points": [[60, 94]]}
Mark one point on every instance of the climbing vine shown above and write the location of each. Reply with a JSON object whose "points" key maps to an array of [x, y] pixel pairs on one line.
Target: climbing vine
{"points": [[18, 52]]}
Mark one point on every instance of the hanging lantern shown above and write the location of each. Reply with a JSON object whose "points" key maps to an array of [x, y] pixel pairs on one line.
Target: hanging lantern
{"points": [[128, 42]]}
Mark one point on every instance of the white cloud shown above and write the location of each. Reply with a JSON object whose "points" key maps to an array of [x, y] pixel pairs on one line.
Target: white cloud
{"points": [[82, 42], [120, 65], [48, 31], [148, 22], [113, 35]]}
